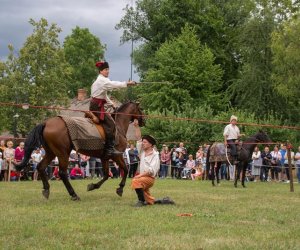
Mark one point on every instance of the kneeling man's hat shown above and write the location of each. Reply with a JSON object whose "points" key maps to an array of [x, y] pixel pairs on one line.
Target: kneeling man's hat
{"points": [[150, 139]]}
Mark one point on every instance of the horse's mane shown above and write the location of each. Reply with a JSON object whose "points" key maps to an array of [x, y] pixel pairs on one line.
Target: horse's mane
{"points": [[123, 106]]}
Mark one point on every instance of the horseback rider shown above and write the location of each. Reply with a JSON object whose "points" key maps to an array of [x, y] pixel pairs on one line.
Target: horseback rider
{"points": [[101, 102], [231, 137]]}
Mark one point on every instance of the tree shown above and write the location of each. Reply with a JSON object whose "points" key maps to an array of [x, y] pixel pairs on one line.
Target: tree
{"points": [[82, 49], [189, 68], [216, 24], [253, 89], [286, 62], [38, 76]]}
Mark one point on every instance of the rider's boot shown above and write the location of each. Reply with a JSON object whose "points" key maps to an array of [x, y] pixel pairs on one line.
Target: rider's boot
{"points": [[110, 150]]}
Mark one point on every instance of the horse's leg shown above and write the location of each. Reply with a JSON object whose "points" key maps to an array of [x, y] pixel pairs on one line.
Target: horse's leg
{"points": [[63, 174], [212, 172], [49, 156], [121, 163], [218, 172], [244, 166], [236, 174], [105, 168]]}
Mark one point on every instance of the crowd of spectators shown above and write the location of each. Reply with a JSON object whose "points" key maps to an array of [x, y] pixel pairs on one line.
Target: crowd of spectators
{"points": [[177, 163]]}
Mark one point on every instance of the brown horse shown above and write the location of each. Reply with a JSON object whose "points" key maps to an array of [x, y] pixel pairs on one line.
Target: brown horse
{"points": [[55, 138]]}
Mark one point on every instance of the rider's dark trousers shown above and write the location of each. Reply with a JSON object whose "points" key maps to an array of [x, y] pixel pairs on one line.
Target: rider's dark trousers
{"points": [[233, 148]]}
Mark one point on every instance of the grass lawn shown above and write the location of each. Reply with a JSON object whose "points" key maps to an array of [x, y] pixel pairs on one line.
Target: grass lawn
{"points": [[262, 216]]}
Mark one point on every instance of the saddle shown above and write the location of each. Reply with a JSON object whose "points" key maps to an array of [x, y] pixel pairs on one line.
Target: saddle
{"points": [[218, 152], [96, 121]]}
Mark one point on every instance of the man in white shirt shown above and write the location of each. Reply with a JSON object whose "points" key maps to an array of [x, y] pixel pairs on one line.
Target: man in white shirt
{"points": [[231, 136], [149, 166], [100, 101]]}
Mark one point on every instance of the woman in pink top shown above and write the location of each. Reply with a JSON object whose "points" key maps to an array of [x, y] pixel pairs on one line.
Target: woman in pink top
{"points": [[19, 153]]}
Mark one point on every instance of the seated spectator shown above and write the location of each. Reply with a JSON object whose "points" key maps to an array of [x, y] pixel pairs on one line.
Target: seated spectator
{"points": [[73, 158], [76, 173], [188, 166], [55, 175], [196, 172]]}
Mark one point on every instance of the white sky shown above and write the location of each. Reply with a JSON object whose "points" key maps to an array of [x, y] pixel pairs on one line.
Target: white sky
{"points": [[99, 16]]}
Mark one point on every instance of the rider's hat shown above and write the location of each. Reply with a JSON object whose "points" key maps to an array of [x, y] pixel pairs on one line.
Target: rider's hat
{"points": [[233, 117], [150, 139], [101, 65]]}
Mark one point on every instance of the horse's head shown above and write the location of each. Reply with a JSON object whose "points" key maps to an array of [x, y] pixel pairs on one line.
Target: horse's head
{"points": [[134, 110], [262, 136]]}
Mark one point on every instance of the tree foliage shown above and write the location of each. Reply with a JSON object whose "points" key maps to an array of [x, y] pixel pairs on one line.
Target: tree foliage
{"points": [[82, 49], [189, 69], [286, 62], [38, 76]]}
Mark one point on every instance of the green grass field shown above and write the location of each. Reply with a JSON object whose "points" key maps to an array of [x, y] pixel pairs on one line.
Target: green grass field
{"points": [[262, 216]]}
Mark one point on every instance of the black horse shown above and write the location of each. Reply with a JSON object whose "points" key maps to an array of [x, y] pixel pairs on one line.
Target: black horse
{"points": [[245, 155]]}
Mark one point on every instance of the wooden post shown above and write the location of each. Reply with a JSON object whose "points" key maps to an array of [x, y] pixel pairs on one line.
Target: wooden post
{"points": [[289, 146]]}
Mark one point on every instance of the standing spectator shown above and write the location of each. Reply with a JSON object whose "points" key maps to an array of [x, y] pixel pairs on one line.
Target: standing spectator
{"points": [[266, 161], [165, 160], [9, 158], [98, 168], [283, 153], [190, 164], [256, 164], [199, 155], [36, 159], [174, 157], [2, 148], [275, 163], [19, 153], [134, 161], [181, 147], [92, 164], [73, 158], [286, 165], [84, 164], [76, 173], [297, 158]]}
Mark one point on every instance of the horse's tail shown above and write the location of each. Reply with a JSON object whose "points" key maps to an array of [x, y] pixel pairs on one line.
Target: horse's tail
{"points": [[34, 139]]}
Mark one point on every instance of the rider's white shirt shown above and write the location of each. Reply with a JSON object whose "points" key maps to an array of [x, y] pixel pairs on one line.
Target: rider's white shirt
{"points": [[102, 85], [233, 132]]}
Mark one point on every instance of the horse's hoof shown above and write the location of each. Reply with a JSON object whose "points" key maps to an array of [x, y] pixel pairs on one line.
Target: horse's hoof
{"points": [[244, 186], [75, 198], [46, 193], [90, 187], [119, 192]]}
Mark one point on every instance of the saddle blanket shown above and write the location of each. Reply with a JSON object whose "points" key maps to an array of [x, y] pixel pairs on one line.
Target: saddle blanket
{"points": [[84, 133], [218, 152]]}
